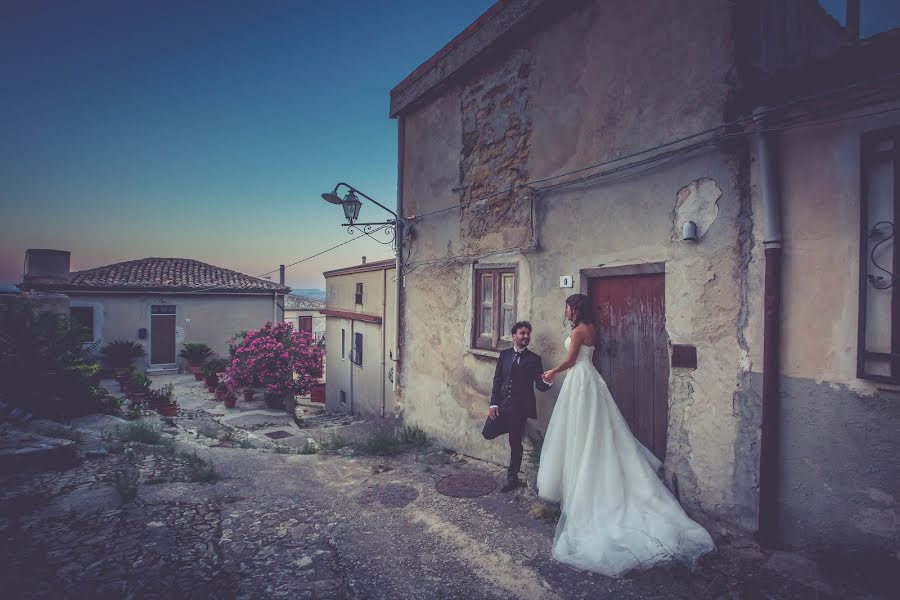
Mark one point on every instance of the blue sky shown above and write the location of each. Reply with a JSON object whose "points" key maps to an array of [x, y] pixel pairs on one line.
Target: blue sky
{"points": [[203, 129], [209, 129]]}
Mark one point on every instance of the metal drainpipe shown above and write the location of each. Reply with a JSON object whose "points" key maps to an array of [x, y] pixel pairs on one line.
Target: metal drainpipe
{"points": [[383, 339], [350, 356], [769, 443], [400, 231]]}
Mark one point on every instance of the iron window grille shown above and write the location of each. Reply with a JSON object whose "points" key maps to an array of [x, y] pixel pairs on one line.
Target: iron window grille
{"points": [[878, 354]]}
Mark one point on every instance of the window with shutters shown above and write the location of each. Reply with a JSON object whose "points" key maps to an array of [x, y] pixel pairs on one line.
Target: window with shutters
{"points": [[359, 293], [495, 307], [357, 356]]}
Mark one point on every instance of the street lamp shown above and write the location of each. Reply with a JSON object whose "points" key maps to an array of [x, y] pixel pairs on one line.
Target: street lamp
{"points": [[352, 205]]}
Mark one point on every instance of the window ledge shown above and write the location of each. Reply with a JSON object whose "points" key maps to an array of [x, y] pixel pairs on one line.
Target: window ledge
{"points": [[495, 354]]}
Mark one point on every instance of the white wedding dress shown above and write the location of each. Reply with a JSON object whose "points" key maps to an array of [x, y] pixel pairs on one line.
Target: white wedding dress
{"points": [[617, 515]]}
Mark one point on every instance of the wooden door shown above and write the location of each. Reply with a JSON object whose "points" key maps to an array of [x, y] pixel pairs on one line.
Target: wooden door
{"points": [[162, 335], [632, 352], [304, 324]]}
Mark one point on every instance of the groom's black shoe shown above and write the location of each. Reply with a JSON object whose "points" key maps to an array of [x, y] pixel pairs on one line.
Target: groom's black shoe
{"points": [[511, 484]]}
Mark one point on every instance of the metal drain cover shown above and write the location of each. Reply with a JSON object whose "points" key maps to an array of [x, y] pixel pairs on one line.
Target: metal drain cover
{"points": [[277, 435], [465, 485], [390, 495]]}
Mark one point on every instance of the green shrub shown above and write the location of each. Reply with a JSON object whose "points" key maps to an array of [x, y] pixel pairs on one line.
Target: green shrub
{"points": [[196, 353], [44, 364], [141, 431]]}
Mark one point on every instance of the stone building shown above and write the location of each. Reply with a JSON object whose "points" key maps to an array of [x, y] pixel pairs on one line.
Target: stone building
{"points": [[676, 161]]}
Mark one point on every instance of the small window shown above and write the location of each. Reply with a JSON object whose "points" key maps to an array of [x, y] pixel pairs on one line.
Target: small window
{"points": [[495, 308], [163, 310], [343, 343], [343, 397], [358, 349], [84, 317], [359, 293]]}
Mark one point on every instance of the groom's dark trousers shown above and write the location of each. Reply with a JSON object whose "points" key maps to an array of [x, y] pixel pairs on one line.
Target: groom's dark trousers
{"points": [[514, 381]]}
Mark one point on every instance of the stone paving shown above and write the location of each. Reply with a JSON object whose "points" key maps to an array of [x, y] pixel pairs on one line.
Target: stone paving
{"points": [[147, 521]]}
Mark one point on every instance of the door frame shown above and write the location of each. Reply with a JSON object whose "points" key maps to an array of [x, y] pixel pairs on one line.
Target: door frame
{"points": [[150, 316], [648, 268]]}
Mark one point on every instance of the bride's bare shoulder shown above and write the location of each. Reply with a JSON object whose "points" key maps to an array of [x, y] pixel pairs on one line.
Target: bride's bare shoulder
{"points": [[586, 334]]}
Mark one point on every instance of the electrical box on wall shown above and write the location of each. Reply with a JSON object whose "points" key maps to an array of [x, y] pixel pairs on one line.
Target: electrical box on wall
{"points": [[565, 281]]}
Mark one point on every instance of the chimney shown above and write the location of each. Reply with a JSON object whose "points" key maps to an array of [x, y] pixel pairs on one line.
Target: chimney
{"points": [[853, 19], [364, 260], [46, 267], [281, 274]]}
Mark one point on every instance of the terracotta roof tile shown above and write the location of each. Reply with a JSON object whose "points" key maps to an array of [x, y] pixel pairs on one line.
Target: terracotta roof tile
{"points": [[167, 274]]}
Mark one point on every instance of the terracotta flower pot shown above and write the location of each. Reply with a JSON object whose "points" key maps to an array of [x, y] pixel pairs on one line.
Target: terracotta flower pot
{"points": [[198, 376], [220, 394], [248, 395], [211, 388], [137, 397], [230, 401], [167, 410]]}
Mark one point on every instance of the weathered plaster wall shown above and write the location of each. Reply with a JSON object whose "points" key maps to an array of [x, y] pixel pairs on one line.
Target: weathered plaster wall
{"points": [[340, 292], [212, 320], [839, 480], [607, 80]]}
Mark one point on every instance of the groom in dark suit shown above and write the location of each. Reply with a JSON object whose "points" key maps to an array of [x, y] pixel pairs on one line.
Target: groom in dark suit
{"points": [[518, 372]]}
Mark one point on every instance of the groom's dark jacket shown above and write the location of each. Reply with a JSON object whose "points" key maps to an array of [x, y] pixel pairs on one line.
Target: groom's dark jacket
{"points": [[514, 384]]}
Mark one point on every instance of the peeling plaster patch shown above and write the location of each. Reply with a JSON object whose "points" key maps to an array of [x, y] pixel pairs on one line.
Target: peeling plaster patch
{"points": [[879, 521], [698, 201], [880, 497]]}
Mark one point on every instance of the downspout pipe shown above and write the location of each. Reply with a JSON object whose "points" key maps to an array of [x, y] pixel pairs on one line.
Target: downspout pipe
{"points": [[769, 443]]}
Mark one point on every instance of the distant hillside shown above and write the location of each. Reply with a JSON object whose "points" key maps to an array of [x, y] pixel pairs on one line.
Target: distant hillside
{"points": [[313, 293]]}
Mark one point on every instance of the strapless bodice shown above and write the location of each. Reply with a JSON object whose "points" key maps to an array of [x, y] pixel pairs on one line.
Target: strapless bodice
{"points": [[585, 353]]}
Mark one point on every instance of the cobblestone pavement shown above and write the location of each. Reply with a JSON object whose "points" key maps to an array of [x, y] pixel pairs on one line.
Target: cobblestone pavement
{"points": [[150, 522]]}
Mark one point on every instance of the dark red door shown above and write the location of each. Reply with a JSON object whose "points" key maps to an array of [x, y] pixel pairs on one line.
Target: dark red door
{"points": [[632, 352], [304, 324], [162, 335]]}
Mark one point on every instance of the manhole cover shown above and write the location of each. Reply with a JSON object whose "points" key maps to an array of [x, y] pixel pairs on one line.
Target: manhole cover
{"points": [[390, 495], [465, 485], [277, 435]]}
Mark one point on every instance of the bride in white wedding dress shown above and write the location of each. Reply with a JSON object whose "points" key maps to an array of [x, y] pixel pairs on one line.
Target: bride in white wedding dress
{"points": [[617, 515]]}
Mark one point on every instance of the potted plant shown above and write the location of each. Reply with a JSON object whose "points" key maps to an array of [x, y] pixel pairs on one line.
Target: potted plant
{"points": [[138, 387], [248, 393], [121, 354], [124, 378], [221, 390], [196, 354], [230, 399], [211, 380], [162, 400]]}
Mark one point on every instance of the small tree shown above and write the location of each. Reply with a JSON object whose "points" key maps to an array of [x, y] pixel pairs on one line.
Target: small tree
{"points": [[44, 366], [284, 361]]}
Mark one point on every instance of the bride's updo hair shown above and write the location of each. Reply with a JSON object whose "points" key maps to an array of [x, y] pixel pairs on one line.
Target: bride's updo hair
{"points": [[582, 311]]}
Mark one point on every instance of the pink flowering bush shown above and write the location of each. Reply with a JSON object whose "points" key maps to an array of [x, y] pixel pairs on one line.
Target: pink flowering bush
{"points": [[270, 357]]}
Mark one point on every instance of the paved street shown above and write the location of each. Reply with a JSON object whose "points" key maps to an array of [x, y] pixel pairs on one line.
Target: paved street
{"points": [[152, 521]]}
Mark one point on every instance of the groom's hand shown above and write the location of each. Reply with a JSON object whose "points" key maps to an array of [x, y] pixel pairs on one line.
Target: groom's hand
{"points": [[493, 412]]}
